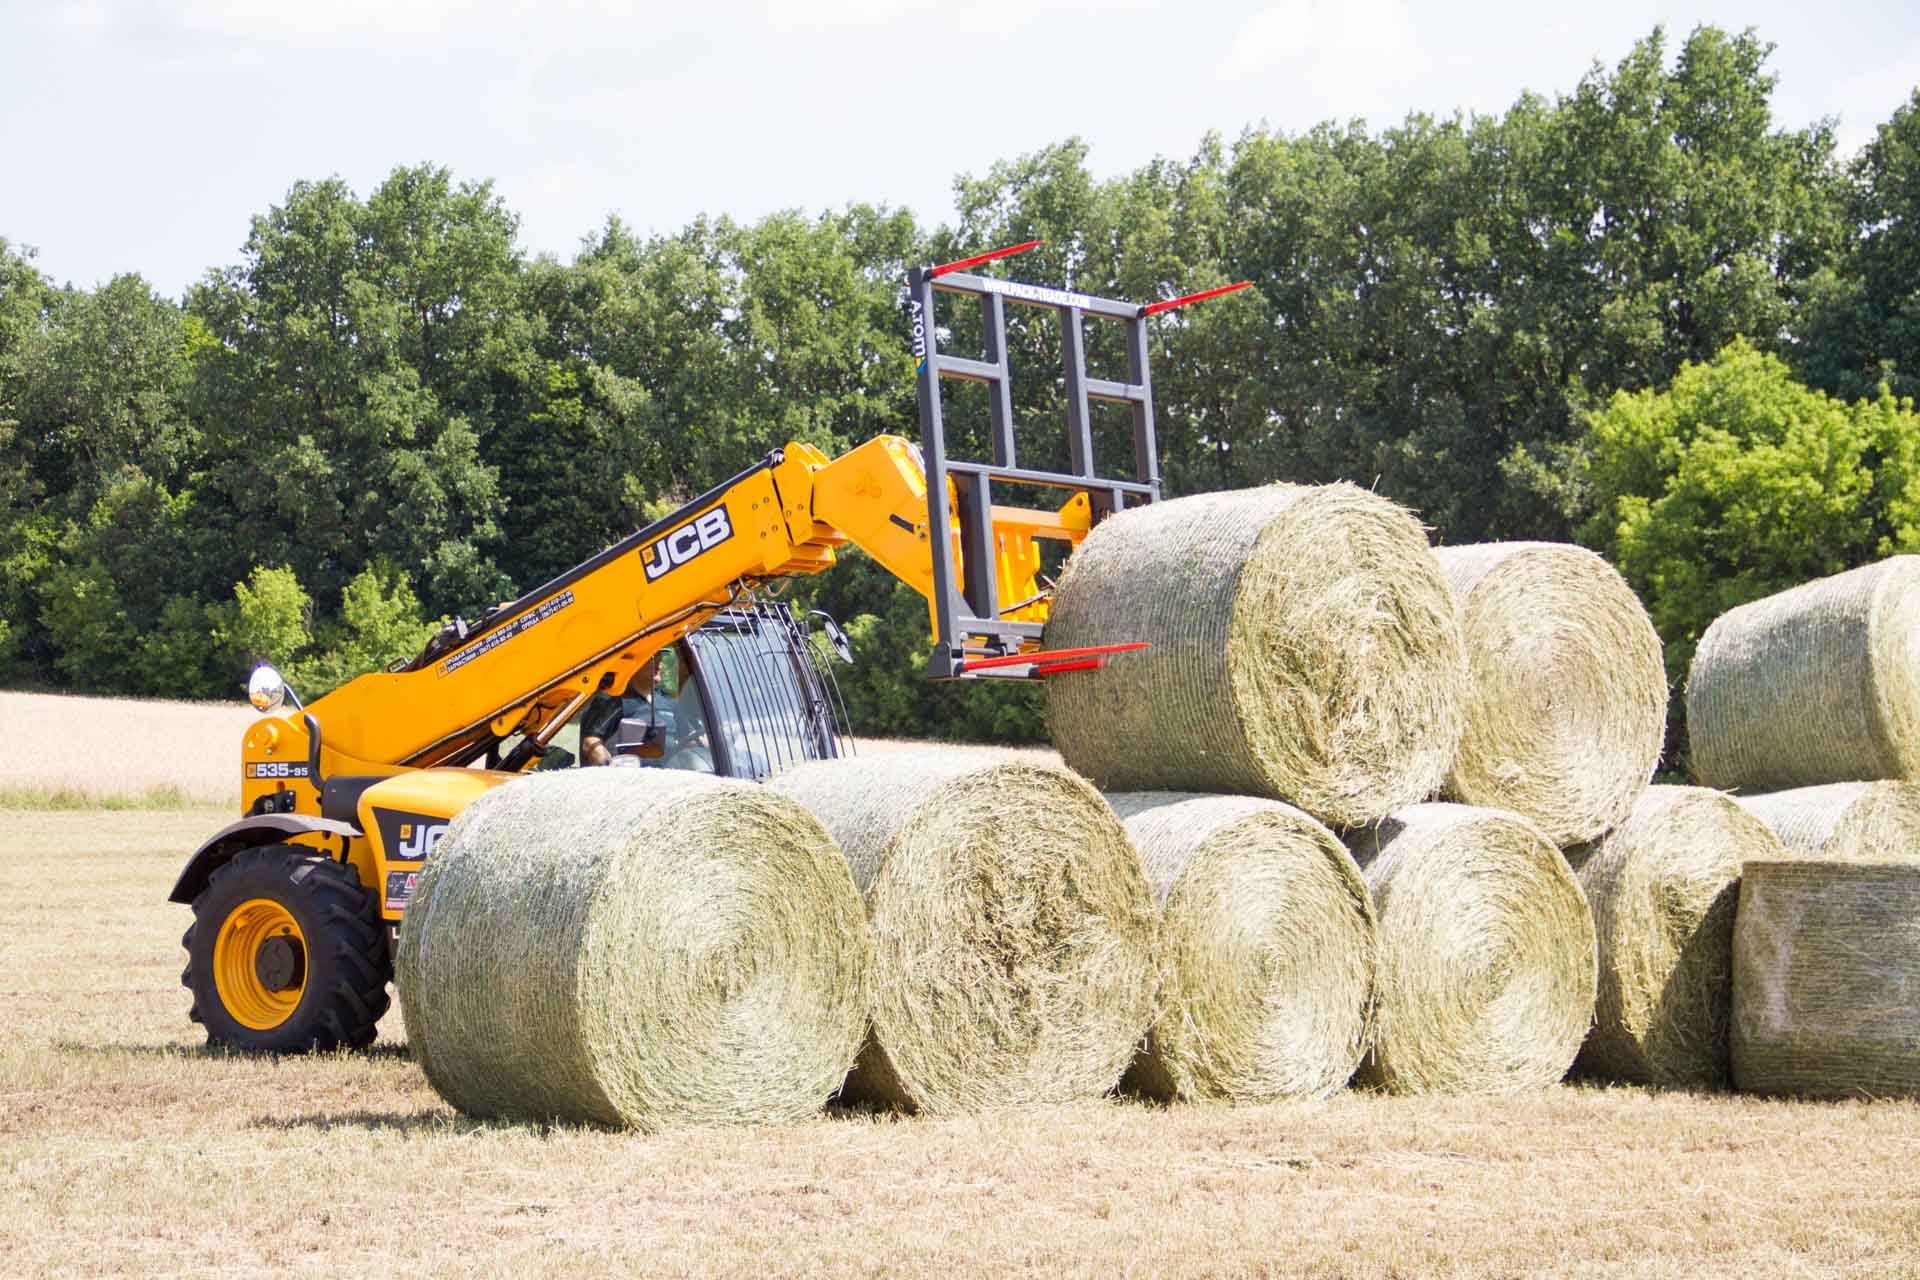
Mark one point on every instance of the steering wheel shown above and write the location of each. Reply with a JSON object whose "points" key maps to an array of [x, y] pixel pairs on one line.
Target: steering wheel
{"points": [[693, 753]]}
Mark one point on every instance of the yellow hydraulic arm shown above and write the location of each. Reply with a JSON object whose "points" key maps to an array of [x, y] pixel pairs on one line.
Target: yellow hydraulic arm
{"points": [[530, 664]]}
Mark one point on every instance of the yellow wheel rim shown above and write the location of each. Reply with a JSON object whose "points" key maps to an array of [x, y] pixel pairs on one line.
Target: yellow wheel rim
{"points": [[260, 964]]}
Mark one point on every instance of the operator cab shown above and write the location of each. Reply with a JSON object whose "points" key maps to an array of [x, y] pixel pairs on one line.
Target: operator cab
{"points": [[749, 694]]}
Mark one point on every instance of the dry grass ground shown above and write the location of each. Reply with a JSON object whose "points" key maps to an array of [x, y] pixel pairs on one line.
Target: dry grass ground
{"points": [[125, 1147]]}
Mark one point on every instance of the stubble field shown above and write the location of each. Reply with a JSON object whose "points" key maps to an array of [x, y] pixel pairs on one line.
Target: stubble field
{"points": [[126, 1147]]}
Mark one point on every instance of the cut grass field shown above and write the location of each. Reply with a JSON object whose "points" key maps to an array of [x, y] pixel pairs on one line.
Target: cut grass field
{"points": [[124, 1145]]}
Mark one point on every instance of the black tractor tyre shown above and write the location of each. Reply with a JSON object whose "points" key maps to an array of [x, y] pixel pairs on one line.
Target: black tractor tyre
{"points": [[337, 953]]}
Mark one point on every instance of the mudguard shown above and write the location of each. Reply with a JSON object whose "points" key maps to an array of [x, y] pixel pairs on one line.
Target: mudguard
{"points": [[248, 833]]}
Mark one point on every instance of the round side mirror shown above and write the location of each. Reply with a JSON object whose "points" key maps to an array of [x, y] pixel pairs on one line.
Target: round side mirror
{"points": [[265, 689]]}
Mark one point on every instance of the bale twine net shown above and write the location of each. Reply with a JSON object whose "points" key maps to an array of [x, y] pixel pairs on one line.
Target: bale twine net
{"points": [[1566, 704], [1826, 979], [1844, 821], [1304, 648], [1013, 927], [1663, 886], [1486, 975], [1267, 939], [635, 948], [1817, 684]]}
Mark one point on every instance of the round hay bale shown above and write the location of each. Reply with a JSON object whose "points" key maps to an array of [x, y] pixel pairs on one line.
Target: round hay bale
{"points": [[1826, 980], [1487, 958], [1013, 927], [1566, 703], [1304, 648], [1813, 685], [1844, 821], [1267, 940], [637, 948], [1663, 886]]}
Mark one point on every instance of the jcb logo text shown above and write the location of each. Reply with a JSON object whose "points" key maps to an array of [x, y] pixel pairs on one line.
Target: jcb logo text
{"points": [[417, 840], [706, 532]]}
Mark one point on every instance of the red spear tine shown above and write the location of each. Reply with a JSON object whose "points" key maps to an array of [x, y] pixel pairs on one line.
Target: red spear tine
{"points": [[979, 258], [1078, 664], [1048, 658], [1155, 308]]}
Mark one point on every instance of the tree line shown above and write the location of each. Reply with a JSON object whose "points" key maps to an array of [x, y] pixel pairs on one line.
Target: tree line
{"points": [[1639, 314]]}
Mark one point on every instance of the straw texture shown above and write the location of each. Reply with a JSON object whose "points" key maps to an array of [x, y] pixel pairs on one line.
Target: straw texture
{"points": [[1487, 958], [1844, 821], [1813, 685], [1826, 980], [1663, 887], [1305, 648], [636, 948], [1013, 926], [1267, 940], [1566, 705]]}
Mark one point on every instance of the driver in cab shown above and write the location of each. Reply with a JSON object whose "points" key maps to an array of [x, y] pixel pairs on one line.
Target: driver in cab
{"points": [[600, 722]]}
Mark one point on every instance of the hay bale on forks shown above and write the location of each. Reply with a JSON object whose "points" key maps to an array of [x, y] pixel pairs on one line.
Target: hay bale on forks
{"points": [[1267, 939], [1304, 648], [1566, 706], [1013, 927], [1814, 685], [1844, 821], [1487, 959], [1663, 887], [636, 948], [1826, 980]]}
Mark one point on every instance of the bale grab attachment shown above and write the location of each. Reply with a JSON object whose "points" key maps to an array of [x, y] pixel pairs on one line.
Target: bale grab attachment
{"points": [[976, 632]]}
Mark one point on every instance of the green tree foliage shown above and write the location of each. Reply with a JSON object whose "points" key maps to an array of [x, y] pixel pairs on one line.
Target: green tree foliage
{"points": [[25, 297], [1862, 327], [93, 430], [1738, 481], [380, 622], [102, 384], [350, 353], [269, 619]]}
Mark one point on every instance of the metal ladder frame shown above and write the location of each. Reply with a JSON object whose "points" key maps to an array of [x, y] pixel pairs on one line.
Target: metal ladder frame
{"points": [[968, 624]]}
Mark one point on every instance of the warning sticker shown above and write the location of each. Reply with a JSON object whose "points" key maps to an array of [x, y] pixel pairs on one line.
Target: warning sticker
{"points": [[400, 888], [505, 632]]}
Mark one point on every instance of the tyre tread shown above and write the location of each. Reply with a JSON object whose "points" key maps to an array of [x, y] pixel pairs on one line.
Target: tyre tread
{"points": [[352, 946]]}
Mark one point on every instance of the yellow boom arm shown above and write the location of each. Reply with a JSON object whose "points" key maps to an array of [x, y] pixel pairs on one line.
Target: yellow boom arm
{"points": [[537, 659]]}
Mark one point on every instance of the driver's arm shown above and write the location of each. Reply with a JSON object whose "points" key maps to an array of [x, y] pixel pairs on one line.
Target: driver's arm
{"points": [[595, 725]]}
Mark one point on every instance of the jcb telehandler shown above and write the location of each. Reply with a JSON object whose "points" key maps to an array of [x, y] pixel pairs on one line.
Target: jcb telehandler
{"points": [[296, 905]]}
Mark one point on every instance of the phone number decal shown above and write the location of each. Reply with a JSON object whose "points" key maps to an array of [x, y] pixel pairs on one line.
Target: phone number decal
{"points": [[508, 630]]}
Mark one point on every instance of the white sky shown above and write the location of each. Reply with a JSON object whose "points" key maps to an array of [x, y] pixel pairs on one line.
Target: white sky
{"points": [[141, 135]]}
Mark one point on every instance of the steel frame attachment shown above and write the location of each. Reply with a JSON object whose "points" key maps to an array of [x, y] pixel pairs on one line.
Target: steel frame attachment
{"points": [[968, 621]]}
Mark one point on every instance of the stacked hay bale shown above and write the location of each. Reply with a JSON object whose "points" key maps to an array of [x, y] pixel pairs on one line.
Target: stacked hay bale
{"points": [[637, 948], [1811, 698], [1844, 821], [1013, 927], [1814, 685], [1566, 705], [1663, 887], [1487, 968], [1304, 648], [1827, 979], [1267, 939]]}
